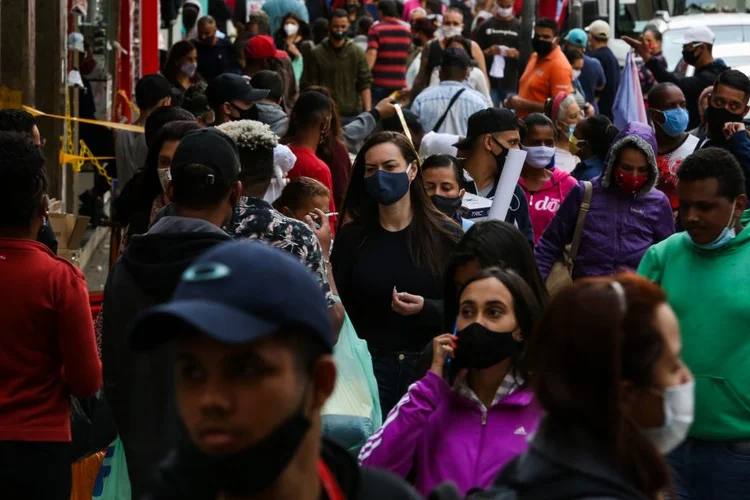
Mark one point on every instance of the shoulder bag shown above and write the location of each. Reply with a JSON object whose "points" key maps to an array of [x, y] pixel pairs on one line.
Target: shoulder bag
{"points": [[561, 274]]}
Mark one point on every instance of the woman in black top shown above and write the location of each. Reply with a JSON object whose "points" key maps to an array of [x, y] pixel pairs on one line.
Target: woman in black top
{"points": [[388, 261], [293, 34], [182, 63]]}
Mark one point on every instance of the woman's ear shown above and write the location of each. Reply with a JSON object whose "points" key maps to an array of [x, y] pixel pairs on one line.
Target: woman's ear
{"points": [[517, 335], [412, 171]]}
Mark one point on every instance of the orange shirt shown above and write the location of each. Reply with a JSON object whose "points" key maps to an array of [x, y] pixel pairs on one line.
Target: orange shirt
{"points": [[545, 78]]}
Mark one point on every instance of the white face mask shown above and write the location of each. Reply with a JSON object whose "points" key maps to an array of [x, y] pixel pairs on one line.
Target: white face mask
{"points": [[451, 31], [679, 406], [505, 12], [291, 29], [539, 156], [576, 74], [165, 175]]}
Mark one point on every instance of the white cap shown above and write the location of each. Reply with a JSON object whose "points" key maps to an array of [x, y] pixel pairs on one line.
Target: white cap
{"points": [[75, 42], [697, 34], [599, 29]]}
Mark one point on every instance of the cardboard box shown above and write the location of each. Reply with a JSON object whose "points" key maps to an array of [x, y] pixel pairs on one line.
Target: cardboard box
{"points": [[69, 230], [474, 207]]}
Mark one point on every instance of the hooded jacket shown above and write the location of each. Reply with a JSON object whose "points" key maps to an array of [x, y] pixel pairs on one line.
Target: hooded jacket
{"points": [[619, 227], [708, 291], [439, 434], [138, 387], [274, 116], [544, 203]]}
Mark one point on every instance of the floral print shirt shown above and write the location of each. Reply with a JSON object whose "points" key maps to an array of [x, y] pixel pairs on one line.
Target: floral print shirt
{"points": [[256, 219]]}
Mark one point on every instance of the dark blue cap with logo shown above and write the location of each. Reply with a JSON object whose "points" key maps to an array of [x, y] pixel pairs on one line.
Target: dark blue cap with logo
{"points": [[236, 293]]}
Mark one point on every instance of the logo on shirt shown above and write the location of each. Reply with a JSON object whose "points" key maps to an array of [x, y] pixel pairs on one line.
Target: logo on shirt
{"points": [[520, 431], [548, 204], [638, 211], [491, 31]]}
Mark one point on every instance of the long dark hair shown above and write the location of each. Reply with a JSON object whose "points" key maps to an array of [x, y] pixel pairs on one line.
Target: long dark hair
{"points": [[526, 308], [177, 52], [335, 136], [598, 333], [280, 35], [492, 243], [429, 230], [150, 187]]}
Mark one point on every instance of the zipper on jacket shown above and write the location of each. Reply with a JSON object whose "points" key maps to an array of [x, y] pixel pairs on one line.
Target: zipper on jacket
{"points": [[484, 417]]}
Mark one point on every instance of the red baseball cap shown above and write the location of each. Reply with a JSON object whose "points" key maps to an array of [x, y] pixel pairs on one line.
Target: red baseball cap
{"points": [[263, 47]]}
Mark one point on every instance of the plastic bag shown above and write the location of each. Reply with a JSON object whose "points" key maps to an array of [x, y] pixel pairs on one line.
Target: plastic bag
{"points": [[113, 482], [85, 472], [352, 413]]}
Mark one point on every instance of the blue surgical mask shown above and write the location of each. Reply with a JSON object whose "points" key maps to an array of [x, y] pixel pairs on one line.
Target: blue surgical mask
{"points": [[726, 236], [387, 187], [675, 121]]}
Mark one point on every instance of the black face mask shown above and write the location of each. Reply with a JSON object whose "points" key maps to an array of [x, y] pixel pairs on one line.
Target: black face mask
{"points": [[479, 347], [338, 35], [245, 114], [541, 47], [500, 157], [689, 57], [448, 206], [252, 470], [716, 118]]}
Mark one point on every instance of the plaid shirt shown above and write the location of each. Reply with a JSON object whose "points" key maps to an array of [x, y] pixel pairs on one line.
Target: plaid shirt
{"points": [[255, 219], [509, 385]]}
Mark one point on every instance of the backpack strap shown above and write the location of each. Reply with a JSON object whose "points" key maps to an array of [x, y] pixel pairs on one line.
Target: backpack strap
{"points": [[450, 105]]}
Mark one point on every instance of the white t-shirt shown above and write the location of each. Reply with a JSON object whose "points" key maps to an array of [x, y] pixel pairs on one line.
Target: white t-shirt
{"points": [[564, 160]]}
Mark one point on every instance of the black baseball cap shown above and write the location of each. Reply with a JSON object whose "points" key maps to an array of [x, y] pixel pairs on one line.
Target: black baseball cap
{"points": [[230, 87], [455, 58], [210, 147], [239, 292], [488, 121], [269, 80]]}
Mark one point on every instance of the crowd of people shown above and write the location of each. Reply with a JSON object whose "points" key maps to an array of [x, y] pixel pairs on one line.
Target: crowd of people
{"points": [[345, 145]]}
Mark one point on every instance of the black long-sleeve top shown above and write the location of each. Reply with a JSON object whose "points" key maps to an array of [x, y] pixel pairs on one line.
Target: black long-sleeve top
{"points": [[367, 264]]}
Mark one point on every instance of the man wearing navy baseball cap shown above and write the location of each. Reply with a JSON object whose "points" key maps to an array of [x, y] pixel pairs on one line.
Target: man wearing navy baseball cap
{"points": [[253, 369]]}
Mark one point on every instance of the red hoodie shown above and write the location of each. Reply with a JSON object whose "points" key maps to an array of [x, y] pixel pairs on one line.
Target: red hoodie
{"points": [[47, 345], [544, 203]]}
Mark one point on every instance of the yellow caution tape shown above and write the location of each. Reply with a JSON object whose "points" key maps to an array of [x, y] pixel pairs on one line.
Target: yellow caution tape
{"points": [[115, 125], [130, 104], [86, 152]]}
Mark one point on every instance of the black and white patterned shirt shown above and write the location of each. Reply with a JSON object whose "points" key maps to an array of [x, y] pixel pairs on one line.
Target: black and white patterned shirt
{"points": [[256, 219]]}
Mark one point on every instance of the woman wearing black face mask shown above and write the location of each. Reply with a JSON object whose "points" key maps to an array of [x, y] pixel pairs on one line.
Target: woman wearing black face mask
{"points": [[389, 259], [443, 179], [465, 432]]}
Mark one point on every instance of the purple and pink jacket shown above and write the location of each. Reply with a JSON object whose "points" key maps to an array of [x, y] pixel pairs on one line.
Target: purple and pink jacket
{"points": [[619, 227], [444, 436]]}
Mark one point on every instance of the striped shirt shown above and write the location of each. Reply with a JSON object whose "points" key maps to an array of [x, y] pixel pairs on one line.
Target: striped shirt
{"points": [[391, 39], [430, 105]]}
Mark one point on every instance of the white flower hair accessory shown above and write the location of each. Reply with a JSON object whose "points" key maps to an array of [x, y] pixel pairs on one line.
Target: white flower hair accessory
{"points": [[250, 134]]}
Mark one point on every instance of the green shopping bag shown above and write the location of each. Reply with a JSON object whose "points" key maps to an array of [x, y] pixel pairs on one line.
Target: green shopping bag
{"points": [[113, 482], [352, 413]]}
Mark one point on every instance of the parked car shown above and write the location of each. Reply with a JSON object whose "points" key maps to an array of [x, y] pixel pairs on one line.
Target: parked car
{"points": [[729, 29]]}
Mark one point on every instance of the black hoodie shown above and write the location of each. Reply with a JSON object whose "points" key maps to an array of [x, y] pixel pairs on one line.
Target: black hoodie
{"points": [[138, 387]]}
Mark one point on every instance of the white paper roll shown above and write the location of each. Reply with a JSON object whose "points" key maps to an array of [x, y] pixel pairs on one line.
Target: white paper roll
{"points": [[507, 184]]}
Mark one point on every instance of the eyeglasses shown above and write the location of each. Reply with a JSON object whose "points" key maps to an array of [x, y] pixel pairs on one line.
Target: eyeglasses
{"points": [[735, 107]]}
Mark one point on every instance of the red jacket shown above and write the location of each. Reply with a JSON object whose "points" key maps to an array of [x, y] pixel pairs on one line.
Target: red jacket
{"points": [[47, 345]]}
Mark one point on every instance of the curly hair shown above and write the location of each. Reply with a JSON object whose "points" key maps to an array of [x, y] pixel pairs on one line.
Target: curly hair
{"points": [[23, 180], [255, 144]]}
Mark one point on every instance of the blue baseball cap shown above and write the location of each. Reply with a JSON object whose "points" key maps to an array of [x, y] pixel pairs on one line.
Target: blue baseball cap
{"points": [[235, 293], [577, 37]]}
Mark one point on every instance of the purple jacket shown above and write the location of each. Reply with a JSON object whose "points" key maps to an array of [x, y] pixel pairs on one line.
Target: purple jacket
{"points": [[619, 227], [445, 436]]}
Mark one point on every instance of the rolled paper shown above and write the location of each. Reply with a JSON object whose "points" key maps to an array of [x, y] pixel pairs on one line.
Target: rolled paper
{"points": [[507, 184]]}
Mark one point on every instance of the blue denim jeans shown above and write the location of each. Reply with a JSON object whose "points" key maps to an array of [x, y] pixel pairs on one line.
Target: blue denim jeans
{"points": [[498, 96], [394, 371], [708, 470], [380, 93]]}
